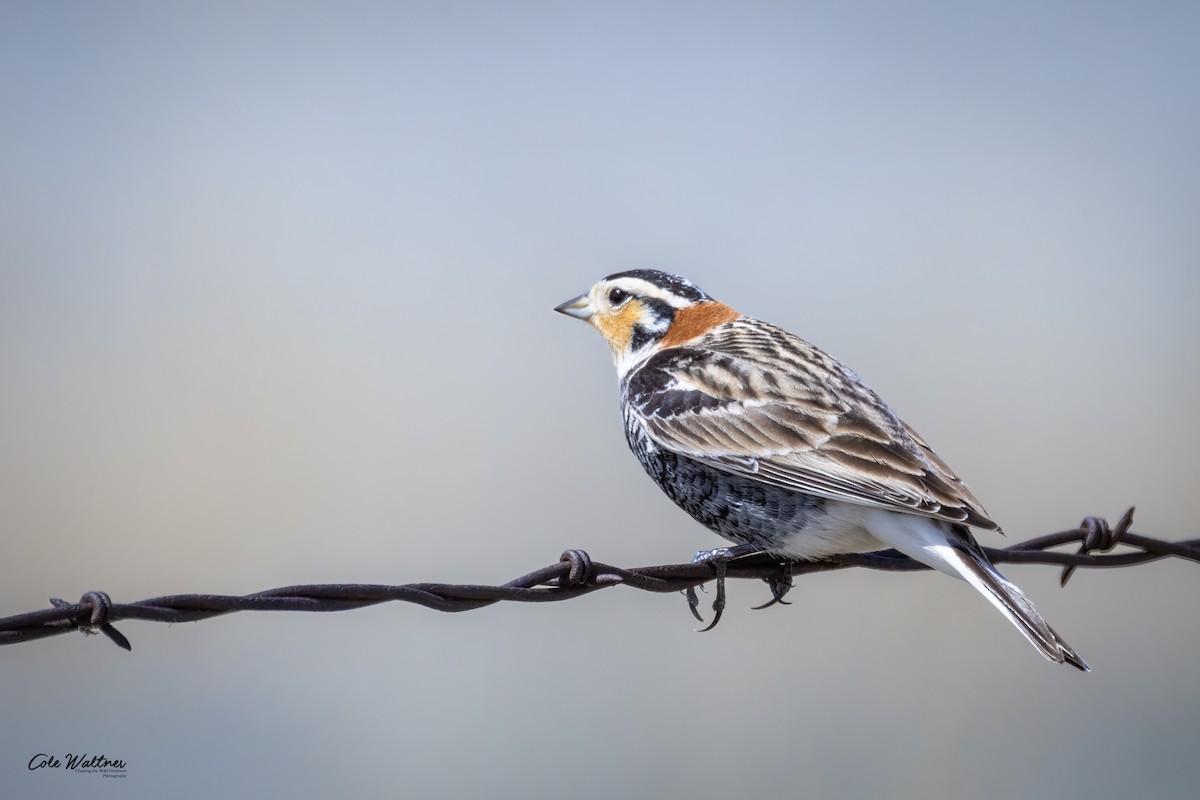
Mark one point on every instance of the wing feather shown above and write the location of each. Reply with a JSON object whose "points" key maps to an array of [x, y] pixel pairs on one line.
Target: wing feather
{"points": [[752, 399]]}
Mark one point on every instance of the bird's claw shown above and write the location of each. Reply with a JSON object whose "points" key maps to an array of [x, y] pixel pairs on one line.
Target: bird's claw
{"points": [[719, 559], [693, 601], [780, 584], [719, 564]]}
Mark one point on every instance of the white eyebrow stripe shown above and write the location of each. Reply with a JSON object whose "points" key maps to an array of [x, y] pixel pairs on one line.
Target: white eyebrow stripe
{"points": [[644, 288]]}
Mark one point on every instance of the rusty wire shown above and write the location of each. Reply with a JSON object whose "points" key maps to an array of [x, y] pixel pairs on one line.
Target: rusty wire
{"points": [[576, 574]]}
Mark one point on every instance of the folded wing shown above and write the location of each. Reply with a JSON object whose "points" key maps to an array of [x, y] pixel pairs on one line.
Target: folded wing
{"points": [[758, 401]]}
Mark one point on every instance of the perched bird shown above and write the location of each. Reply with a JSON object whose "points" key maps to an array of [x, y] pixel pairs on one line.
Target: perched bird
{"points": [[771, 442]]}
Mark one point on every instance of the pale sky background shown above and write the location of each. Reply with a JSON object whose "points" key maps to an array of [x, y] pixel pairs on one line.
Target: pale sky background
{"points": [[276, 284]]}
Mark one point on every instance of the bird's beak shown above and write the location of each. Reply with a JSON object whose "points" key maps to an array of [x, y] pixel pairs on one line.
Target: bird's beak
{"points": [[578, 307]]}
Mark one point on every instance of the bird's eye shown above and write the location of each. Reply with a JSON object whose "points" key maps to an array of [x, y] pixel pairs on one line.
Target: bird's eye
{"points": [[617, 296]]}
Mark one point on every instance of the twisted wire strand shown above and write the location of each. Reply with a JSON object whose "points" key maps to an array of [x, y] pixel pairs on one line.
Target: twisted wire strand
{"points": [[574, 575]]}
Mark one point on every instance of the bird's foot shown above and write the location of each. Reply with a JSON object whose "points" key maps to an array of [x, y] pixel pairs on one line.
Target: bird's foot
{"points": [[719, 560], [726, 554], [781, 584]]}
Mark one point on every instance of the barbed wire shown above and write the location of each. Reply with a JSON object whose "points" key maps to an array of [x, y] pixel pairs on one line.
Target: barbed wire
{"points": [[577, 574]]}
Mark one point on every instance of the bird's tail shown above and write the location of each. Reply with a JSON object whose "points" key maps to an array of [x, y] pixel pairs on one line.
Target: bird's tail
{"points": [[1012, 602], [956, 553]]}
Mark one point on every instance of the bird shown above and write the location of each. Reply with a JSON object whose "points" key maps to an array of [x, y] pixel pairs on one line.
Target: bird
{"points": [[775, 445]]}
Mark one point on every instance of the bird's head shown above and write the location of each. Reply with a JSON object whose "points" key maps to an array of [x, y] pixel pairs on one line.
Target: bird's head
{"points": [[642, 311]]}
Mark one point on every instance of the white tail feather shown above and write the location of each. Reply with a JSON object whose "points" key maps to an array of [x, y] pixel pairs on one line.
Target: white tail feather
{"points": [[935, 544]]}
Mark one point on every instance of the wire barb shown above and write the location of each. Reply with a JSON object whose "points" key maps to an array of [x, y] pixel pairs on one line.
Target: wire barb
{"points": [[1098, 536], [99, 603], [576, 574], [580, 566]]}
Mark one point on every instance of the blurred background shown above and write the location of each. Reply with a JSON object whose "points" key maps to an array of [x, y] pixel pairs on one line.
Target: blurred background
{"points": [[276, 284]]}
